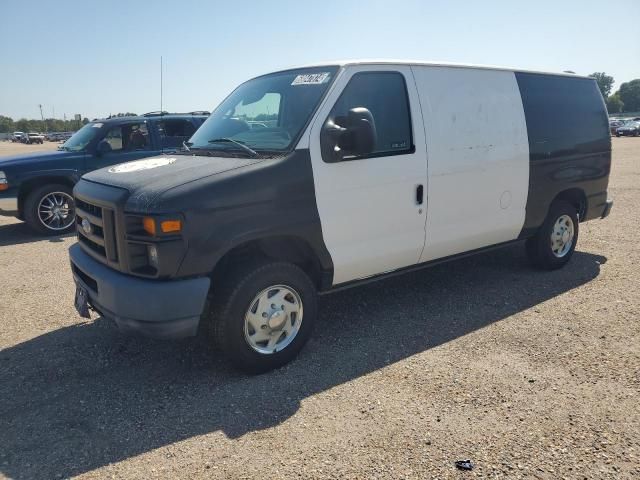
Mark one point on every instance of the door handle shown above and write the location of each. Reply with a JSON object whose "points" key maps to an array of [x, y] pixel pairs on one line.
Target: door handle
{"points": [[419, 194]]}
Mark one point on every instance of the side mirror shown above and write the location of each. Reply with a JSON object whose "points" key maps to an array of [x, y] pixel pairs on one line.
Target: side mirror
{"points": [[102, 148], [353, 135]]}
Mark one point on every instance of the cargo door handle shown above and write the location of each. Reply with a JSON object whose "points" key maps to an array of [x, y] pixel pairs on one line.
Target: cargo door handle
{"points": [[419, 194]]}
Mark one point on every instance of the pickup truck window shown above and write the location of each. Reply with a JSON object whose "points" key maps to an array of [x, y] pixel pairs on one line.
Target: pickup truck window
{"points": [[267, 113], [175, 131], [128, 137], [82, 138], [384, 94]]}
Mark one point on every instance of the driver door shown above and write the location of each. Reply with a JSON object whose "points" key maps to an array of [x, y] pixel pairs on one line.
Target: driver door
{"points": [[373, 208]]}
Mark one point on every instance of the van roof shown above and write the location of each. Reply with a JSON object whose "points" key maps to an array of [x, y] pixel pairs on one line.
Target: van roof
{"points": [[342, 63]]}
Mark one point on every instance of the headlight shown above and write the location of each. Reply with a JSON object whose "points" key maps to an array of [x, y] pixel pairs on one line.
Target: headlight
{"points": [[4, 185]]}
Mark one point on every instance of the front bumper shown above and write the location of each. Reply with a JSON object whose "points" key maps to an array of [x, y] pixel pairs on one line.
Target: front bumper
{"points": [[161, 309], [8, 203]]}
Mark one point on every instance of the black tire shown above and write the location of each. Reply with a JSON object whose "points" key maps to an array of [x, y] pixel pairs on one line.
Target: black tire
{"points": [[31, 204], [230, 304], [539, 249]]}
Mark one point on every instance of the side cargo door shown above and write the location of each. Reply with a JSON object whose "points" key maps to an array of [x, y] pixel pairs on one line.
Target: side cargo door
{"points": [[373, 207]]}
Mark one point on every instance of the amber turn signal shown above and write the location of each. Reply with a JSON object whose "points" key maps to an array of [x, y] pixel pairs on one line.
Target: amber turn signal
{"points": [[149, 225], [4, 186], [170, 226]]}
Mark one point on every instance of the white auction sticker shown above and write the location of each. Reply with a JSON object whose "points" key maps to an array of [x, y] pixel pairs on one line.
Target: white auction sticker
{"points": [[311, 78], [145, 164]]}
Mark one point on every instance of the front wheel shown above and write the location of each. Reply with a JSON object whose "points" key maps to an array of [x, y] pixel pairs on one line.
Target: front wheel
{"points": [[553, 246], [50, 210], [264, 316]]}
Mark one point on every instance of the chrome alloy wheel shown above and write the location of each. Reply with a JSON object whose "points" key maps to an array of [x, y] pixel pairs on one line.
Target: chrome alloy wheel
{"points": [[273, 319], [55, 211], [562, 236]]}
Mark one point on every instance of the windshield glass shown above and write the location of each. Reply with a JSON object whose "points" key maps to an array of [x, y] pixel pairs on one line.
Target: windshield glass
{"points": [[82, 137], [266, 113]]}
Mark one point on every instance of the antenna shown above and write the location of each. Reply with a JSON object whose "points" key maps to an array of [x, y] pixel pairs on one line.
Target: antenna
{"points": [[161, 85]]}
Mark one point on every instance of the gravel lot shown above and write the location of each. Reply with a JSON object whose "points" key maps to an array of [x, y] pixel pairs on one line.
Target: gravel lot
{"points": [[528, 374]]}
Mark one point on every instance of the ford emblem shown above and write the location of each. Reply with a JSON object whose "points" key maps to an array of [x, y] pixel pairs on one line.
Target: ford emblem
{"points": [[86, 226]]}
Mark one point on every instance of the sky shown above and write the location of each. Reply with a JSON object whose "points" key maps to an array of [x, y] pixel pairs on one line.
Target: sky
{"points": [[97, 58]]}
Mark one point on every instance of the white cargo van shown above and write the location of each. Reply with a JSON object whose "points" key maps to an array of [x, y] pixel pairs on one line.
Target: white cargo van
{"points": [[357, 170]]}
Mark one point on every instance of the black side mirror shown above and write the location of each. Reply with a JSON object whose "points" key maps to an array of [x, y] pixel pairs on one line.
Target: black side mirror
{"points": [[353, 135], [102, 148]]}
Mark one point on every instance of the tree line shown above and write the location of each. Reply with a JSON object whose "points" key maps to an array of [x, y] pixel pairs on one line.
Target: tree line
{"points": [[626, 99], [8, 125]]}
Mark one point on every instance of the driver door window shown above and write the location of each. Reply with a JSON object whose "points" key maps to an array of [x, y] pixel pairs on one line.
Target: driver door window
{"points": [[384, 94]]}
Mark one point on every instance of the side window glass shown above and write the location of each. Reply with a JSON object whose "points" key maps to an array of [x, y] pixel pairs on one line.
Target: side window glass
{"points": [[384, 94], [174, 132], [125, 138]]}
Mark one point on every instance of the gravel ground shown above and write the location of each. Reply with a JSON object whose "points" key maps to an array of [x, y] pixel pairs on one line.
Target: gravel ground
{"points": [[528, 374]]}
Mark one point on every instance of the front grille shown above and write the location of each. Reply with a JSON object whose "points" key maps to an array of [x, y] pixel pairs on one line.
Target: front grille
{"points": [[97, 231], [89, 208]]}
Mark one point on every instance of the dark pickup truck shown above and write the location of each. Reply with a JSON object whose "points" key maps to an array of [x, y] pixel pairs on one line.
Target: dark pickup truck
{"points": [[37, 187]]}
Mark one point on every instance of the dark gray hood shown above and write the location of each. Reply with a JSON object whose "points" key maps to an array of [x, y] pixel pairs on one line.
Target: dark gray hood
{"points": [[147, 179]]}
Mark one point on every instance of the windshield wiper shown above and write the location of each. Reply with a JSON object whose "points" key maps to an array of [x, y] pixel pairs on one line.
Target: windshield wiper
{"points": [[186, 145], [240, 145]]}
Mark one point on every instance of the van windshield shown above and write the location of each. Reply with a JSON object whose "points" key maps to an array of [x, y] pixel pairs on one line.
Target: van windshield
{"points": [[265, 114]]}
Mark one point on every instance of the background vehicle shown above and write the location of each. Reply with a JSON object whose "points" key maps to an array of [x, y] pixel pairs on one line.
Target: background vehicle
{"points": [[38, 186], [614, 124], [17, 136], [253, 222], [631, 129], [32, 137]]}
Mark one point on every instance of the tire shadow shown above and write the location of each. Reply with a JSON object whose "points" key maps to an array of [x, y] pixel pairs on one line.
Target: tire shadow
{"points": [[81, 397]]}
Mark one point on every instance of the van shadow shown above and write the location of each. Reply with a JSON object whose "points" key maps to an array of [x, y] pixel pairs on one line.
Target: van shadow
{"points": [[82, 397], [18, 233]]}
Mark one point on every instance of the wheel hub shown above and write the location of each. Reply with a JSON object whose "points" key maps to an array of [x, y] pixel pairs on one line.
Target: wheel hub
{"points": [[273, 319], [562, 236], [276, 320]]}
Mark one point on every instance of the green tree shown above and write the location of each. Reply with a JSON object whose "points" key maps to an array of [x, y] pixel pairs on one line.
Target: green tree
{"points": [[6, 124], [630, 95], [22, 125], [604, 81], [614, 104]]}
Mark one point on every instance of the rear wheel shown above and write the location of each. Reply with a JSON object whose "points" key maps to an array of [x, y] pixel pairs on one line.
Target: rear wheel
{"points": [[50, 210], [553, 246], [265, 315]]}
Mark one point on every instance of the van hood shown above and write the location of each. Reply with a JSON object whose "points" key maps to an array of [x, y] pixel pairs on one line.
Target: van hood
{"points": [[147, 179]]}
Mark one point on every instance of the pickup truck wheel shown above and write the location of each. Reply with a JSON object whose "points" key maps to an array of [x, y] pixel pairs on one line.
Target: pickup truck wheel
{"points": [[553, 246], [265, 317], [50, 210]]}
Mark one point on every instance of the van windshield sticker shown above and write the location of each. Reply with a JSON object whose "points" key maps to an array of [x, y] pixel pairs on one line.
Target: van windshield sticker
{"points": [[311, 78]]}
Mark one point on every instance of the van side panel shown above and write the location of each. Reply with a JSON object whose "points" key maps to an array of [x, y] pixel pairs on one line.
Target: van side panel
{"points": [[478, 158], [569, 143]]}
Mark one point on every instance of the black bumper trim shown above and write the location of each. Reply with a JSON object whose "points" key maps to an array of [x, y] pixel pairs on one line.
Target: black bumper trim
{"points": [[165, 309]]}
